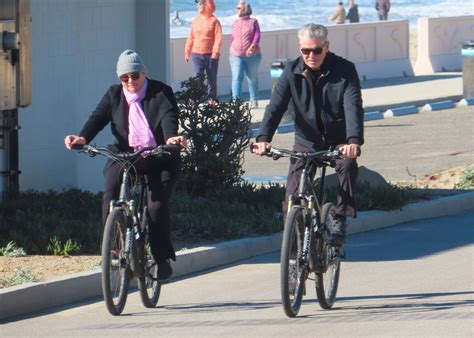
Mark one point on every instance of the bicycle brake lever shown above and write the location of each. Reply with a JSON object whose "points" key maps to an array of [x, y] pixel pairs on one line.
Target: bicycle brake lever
{"points": [[90, 152], [275, 156]]}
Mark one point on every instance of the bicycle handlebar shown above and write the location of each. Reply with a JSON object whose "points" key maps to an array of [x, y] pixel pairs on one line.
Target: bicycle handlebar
{"points": [[325, 155], [154, 151]]}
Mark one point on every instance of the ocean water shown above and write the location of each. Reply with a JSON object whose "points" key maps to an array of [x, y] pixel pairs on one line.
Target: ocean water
{"points": [[290, 14]]}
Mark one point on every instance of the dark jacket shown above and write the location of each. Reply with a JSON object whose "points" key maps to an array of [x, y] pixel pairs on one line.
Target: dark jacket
{"points": [[337, 101], [382, 6], [353, 14], [159, 106]]}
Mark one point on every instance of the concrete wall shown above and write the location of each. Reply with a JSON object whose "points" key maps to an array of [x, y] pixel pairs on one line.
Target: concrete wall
{"points": [[75, 45], [379, 50], [439, 43]]}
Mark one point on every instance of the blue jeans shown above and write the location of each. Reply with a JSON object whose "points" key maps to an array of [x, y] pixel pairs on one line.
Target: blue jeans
{"points": [[202, 63], [241, 65]]}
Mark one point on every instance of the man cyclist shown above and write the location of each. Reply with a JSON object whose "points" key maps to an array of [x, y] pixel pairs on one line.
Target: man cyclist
{"points": [[327, 100]]}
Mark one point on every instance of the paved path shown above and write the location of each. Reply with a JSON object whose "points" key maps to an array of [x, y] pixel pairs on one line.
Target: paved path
{"points": [[411, 280], [418, 144]]}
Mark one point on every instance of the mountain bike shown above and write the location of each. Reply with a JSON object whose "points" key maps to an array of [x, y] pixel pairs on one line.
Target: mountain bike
{"points": [[125, 243], [305, 248]]}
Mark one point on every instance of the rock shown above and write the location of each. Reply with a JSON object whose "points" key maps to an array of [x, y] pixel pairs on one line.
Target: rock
{"points": [[365, 175]]}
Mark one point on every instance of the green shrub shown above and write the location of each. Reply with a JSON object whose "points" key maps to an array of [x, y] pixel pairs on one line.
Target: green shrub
{"points": [[369, 197], [466, 181], [218, 136], [20, 276], [69, 222], [241, 211], [56, 248], [11, 250], [31, 218]]}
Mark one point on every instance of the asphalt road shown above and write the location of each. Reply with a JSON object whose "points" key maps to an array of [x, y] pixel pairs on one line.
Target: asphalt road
{"points": [[398, 148], [414, 279]]}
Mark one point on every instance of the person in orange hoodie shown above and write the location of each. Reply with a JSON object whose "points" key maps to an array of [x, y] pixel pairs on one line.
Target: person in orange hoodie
{"points": [[204, 44]]}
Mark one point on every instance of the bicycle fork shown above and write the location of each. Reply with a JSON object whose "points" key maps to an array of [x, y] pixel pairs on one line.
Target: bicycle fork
{"points": [[308, 234]]}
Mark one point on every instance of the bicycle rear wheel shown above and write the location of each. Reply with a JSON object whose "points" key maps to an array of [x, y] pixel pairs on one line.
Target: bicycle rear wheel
{"points": [[115, 270], [327, 281], [293, 273], [149, 286]]}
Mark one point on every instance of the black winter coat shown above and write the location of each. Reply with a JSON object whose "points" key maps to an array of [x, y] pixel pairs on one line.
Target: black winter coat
{"points": [[159, 106], [336, 98]]}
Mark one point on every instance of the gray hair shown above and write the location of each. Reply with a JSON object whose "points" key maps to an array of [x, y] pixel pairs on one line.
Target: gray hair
{"points": [[247, 9], [313, 31]]}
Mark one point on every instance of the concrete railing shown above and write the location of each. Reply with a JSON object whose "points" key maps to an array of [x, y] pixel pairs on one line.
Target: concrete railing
{"points": [[379, 50], [439, 43]]}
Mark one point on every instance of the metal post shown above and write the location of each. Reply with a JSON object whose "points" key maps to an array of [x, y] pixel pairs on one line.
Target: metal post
{"points": [[15, 84], [11, 166]]}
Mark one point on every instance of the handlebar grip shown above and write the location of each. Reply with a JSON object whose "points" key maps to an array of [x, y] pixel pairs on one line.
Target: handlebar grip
{"points": [[77, 146]]}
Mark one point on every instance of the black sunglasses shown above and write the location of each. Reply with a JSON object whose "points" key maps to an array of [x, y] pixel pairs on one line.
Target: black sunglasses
{"points": [[307, 51], [133, 76]]}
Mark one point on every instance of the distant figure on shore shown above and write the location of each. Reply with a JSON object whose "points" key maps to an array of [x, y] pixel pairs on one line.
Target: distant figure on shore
{"points": [[244, 52], [204, 44], [353, 13], [382, 7], [339, 14], [176, 19]]}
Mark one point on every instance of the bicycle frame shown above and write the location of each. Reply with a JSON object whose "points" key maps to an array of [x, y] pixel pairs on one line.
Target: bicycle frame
{"points": [[123, 254], [306, 251], [312, 204]]}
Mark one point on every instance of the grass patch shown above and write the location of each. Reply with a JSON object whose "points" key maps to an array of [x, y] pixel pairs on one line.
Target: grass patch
{"points": [[32, 218], [69, 222], [20, 276]]}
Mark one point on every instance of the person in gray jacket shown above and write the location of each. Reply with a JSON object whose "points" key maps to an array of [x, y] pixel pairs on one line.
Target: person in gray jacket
{"points": [[326, 95]]}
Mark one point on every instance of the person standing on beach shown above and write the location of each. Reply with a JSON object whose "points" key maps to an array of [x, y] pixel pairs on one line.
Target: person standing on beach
{"points": [[382, 7], [326, 95], [339, 15], [204, 44], [244, 52], [353, 13]]}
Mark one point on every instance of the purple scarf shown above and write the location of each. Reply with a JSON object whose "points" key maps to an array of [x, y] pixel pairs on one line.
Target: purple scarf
{"points": [[139, 135]]}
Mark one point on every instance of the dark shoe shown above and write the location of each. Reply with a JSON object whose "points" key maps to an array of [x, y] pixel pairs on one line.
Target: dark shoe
{"points": [[164, 271], [338, 232]]}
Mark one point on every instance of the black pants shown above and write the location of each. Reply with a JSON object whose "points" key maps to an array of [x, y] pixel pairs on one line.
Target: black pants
{"points": [[162, 175], [346, 169]]}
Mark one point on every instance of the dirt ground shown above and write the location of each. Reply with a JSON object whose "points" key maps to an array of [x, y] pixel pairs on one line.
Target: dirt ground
{"points": [[48, 267]]}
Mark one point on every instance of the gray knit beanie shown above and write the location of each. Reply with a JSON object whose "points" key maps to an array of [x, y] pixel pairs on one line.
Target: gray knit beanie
{"points": [[129, 62]]}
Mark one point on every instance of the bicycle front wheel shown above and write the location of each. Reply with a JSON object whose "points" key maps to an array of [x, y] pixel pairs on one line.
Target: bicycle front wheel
{"points": [[148, 285], [115, 269], [293, 273], [327, 281]]}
